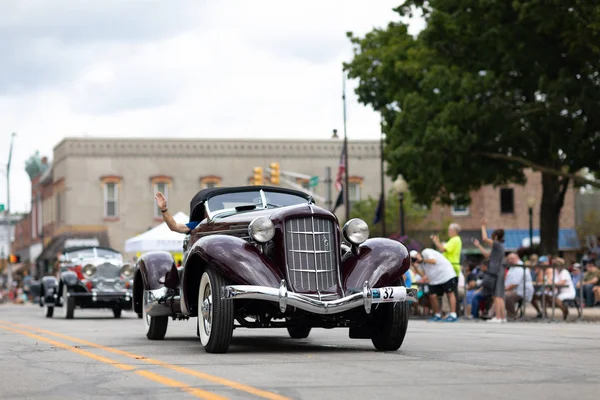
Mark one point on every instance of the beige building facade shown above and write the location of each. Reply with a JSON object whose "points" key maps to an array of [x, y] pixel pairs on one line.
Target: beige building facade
{"points": [[108, 185]]}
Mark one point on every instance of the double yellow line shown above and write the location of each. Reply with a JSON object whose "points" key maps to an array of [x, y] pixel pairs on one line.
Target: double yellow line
{"points": [[200, 393]]}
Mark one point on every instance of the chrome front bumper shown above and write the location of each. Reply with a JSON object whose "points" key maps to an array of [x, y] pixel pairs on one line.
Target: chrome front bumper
{"points": [[366, 298]]}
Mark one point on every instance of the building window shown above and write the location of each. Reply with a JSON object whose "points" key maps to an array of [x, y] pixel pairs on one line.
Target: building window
{"points": [[111, 200], [40, 214], [354, 193], [211, 181], [162, 187], [355, 188], [58, 210], [507, 201], [33, 219], [459, 210]]}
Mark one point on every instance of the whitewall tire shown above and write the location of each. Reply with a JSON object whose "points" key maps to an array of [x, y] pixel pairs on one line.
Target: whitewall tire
{"points": [[215, 315]]}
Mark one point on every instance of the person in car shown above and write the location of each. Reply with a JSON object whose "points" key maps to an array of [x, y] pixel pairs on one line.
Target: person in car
{"points": [[173, 225]]}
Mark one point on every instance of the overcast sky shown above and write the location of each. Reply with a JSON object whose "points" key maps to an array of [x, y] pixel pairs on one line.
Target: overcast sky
{"points": [[196, 69]]}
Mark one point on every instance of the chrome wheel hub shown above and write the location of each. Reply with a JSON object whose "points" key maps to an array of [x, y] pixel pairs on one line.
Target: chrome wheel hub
{"points": [[207, 309]]}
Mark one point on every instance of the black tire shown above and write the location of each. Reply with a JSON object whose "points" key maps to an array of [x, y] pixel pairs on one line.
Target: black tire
{"points": [[390, 322], [68, 304], [49, 312], [216, 327], [117, 312], [156, 327], [298, 332]]}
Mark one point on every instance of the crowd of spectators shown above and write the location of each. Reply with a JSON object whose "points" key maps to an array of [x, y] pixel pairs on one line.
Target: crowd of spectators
{"points": [[19, 292], [498, 287]]}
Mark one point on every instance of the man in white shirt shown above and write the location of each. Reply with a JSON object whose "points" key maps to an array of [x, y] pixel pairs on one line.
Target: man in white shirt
{"points": [[518, 283], [440, 275]]}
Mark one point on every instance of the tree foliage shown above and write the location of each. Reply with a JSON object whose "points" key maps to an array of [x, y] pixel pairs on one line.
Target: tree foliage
{"points": [[488, 89]]}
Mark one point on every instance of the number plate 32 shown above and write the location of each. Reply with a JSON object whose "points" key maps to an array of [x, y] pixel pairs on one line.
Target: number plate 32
{"points": [[388, 294]]}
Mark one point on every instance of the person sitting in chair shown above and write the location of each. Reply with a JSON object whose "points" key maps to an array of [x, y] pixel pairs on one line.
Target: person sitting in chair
{"points": [[161, 201]]}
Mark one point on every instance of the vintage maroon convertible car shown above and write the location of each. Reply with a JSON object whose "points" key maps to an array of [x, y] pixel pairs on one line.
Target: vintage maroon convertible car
{"points": [[269, 257]]}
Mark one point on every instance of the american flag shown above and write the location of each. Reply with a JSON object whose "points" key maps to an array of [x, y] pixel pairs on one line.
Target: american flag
{"points": [[341, 170]]}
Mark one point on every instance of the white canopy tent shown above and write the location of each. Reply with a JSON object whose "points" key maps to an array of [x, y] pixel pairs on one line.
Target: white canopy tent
{"points": [[158, 238]]}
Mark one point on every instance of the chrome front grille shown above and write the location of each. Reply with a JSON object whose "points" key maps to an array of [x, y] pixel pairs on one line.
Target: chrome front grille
{"points": [[311, 253], [108, 271]]}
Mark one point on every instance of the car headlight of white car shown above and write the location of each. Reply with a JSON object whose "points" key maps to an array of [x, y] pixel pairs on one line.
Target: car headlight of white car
{"points": [[261, 229], [88, 270], [127, 271], [356, 231]]}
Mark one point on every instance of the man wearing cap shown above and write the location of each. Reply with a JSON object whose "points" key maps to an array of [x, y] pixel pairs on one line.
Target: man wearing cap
{"points": [[441, 277], [540, 270]]}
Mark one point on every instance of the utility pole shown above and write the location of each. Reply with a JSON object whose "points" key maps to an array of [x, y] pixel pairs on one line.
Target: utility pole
{"points": [[346, 180], [328, 201], [8, 222]]}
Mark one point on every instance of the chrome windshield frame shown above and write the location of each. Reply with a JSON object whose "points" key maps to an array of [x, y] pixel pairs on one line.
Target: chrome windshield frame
{"points": [[263, 197]]}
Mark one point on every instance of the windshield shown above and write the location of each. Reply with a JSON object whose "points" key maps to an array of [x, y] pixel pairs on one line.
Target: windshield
{"points": [[226, 203], [93, 252]]}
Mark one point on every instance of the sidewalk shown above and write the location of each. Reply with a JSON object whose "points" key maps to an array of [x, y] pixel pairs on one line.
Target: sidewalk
{"points": [[589, 314]]}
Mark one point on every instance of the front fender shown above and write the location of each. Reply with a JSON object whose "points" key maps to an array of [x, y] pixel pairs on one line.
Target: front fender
{"points": [[69, 278], [49, 286], [237, 260], [381, 262], [153, 267]]}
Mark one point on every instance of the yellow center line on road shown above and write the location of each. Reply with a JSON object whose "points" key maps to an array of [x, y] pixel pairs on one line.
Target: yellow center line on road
{"points": [[203, 394], [201, 375]]}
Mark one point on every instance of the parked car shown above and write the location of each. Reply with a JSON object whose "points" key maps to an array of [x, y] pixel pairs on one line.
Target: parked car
{"points": [[88, 277], [269, 257]]}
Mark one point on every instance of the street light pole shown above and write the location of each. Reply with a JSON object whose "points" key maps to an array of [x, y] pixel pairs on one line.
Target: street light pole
{"points": [[530, 227], [8, 222], [400, 186], [382, 173], [346, 180], [401, 198], [531, 203]]}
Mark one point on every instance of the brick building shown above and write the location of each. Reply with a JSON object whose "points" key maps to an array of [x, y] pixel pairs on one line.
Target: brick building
{"points": [[507, 207]]}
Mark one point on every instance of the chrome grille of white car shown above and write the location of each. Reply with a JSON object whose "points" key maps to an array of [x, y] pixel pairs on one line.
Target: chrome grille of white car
{"points": [[311, 253], [108, 271]]}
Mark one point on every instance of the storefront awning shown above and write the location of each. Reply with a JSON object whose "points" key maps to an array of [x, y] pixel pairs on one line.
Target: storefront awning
{"points": [[519, 238]]}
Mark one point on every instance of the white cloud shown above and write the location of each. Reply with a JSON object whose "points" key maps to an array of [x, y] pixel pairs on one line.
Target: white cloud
{"points": [[180, 68]]}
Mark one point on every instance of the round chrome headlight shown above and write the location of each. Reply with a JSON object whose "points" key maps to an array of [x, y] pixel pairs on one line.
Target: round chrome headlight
{"points": [[261, 229], [127, 271], [356, 231], [88, 270]]}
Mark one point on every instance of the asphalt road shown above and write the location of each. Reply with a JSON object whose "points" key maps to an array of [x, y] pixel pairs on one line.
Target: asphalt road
{"points": [[95, 356]]}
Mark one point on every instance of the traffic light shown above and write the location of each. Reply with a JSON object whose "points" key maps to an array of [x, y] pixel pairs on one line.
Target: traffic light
{"points": [[13, 259], [258, 176], [274, 173]]}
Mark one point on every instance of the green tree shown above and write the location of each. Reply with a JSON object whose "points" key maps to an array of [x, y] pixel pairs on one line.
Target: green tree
{"points": [[413, 214], [488, 89]]}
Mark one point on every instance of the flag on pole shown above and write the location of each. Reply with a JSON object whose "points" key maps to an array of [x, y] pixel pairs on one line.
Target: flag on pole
{"points": [[339, 201], [379, 211], [341, 170]]}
